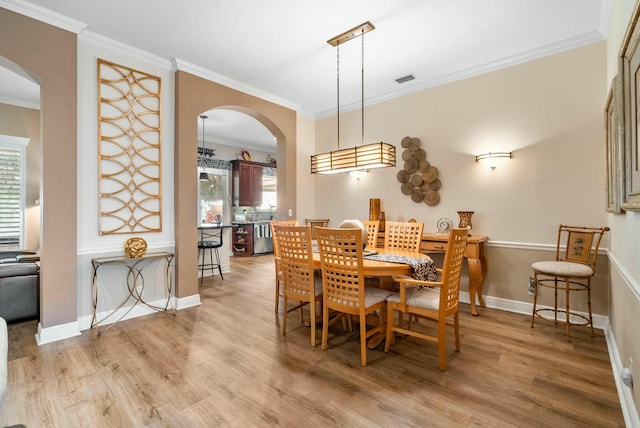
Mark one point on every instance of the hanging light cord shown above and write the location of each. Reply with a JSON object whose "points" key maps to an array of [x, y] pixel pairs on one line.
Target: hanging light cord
{"points": [[362, 85], [338, 91]]}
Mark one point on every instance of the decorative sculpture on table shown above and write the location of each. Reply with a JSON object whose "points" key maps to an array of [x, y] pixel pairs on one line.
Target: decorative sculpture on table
{"points": [[135, 247], [465, 219]]}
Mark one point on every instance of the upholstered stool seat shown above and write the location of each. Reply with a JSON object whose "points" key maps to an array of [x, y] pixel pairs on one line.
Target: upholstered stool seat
{"points": [[562, 269]]}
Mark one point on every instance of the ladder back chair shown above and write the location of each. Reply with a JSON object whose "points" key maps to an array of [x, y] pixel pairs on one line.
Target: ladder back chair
{"points": [[300, 282], [572, 270], [435, 301], [373, 227], [406, 236], [315, 222], [276, 254], [343, 286]]}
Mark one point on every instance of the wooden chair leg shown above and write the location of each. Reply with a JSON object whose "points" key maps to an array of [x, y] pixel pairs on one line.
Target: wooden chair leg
{"points": [[566, 303], [325, 325], [312, 315], [442, 344], [284, 315], [277, 292], [363, 340], [389, 337], [456, 326]]}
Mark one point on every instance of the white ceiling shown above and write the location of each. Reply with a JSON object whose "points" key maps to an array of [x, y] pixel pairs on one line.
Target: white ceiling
{"points": [[277, 48]]}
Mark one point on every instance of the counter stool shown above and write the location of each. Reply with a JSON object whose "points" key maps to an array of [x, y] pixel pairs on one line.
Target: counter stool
{"points": [[210, 240], [572, 270]]}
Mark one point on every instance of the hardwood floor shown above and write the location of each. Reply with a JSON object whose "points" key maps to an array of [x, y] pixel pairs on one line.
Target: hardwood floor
{"points": [[225, 363]]}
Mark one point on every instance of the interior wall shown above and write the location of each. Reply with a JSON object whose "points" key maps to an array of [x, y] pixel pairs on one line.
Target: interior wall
{"points": [[194, 95], [50, 54], [625, 239], [547, 112], [25, 122]]}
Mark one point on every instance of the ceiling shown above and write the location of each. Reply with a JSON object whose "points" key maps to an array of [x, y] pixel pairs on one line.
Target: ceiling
{"points": [[278, 50]]}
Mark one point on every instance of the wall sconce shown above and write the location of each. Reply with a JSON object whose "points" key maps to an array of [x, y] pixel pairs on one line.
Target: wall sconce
{"points": [[493, 158], [358, 174]]}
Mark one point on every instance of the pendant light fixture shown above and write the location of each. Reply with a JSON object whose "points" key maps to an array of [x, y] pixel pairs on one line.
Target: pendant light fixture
{"points": [[365, 156], [201, 151]]}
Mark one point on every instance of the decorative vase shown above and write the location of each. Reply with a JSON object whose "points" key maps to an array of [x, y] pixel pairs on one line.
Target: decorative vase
{"points": [[374, 208], [465, 219]]}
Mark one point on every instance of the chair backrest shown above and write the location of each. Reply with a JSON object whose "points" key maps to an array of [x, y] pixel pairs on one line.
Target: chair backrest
{"points": [[403, 236], [581, 244], [314, 222], [274, 238], [296, 260], [342, 268], [210, 237], [451, 270], [372, 232]]}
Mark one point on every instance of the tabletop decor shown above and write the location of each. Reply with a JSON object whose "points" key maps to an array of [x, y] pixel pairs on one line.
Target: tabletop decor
{"points": [[465, 219], [135, 247], [419, 179]]}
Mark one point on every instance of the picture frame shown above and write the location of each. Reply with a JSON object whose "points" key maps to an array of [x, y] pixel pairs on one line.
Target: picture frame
{"points": [[614, 144], [630, 69]]}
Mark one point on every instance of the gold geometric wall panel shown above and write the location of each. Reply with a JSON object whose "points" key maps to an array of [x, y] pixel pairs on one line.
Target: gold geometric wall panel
{"points": [[129, 155]]}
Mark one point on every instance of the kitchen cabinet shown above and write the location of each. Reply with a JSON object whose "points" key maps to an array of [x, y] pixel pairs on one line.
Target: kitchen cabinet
{"points": [[242, 239], [247, 183]]}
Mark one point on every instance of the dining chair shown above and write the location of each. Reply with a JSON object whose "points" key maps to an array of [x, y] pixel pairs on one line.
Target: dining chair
{"points": [[572, 270], [210, 240], [276, 254], [405, 236], [315, 222], [343, 289], [372, 233], [300, 282], [436, 301]]}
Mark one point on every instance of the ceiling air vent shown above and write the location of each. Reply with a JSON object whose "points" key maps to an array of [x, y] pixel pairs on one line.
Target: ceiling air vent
{"points": [[406, 78]]}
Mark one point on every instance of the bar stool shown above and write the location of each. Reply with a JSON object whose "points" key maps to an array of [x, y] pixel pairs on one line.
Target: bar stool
{"points": [[210, 240]]}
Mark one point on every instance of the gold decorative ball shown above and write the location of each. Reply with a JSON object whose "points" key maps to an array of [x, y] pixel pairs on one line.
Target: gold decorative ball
{"points": [[135, 247]]}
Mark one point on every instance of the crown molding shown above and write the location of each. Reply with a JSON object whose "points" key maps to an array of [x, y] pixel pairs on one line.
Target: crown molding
{"points": [[418, 85], [44, 15], [124, 49], [185, 66]]}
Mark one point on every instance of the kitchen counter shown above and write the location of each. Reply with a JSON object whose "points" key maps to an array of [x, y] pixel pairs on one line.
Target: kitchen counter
{"points": [[251, 238]]}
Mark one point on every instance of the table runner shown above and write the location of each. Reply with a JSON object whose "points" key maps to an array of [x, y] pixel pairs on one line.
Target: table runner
{"points": [[423, 269]]}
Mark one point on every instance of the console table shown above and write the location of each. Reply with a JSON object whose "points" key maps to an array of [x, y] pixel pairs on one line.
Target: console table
{"points": [[135, 284], [476, 258]]}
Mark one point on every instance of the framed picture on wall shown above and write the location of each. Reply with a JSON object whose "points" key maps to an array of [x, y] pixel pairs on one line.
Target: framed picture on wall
{"points": [[614, 142], [630, 64]]}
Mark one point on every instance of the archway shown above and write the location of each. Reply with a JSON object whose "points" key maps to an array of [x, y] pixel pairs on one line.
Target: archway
{"points": [[193, 96]]}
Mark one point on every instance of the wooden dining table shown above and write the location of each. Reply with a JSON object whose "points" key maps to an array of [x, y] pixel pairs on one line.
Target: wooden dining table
{"points": [[382, 269]]}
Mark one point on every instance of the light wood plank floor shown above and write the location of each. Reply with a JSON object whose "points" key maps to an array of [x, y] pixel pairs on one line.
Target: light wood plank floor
{"points": [[225, 363]]}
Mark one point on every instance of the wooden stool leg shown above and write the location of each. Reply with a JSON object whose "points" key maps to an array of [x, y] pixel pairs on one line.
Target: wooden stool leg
{"points": [[567, 285]]}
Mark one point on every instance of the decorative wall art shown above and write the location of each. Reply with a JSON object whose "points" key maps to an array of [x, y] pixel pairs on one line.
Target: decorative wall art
{"points": [[129, 156], [630, 71], [614, 143], [419, 179]]}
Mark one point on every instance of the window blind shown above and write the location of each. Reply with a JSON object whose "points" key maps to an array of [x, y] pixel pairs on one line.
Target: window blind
{"points": [[10, 197]]}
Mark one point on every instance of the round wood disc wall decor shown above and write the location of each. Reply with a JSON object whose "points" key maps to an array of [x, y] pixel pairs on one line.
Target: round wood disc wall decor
{"points": [[419, 179]]}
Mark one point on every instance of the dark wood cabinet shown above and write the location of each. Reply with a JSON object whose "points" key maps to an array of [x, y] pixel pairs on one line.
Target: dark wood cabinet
{"points": [[242, 239], [247, 183]]}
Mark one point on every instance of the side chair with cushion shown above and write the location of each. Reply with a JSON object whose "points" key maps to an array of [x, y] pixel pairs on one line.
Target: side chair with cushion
{"points": [[300, 282], [276, 255], [572, 270], [19, 285], [373, 227], [436, 301], [405, 236], [343, 284]]}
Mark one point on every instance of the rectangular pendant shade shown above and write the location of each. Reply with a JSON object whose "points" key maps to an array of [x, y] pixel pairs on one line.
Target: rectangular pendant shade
{"points": [[369, 156]]}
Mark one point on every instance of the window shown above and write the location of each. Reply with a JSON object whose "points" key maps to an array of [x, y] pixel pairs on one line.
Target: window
{"points": [[212, 195], [12, 191]]}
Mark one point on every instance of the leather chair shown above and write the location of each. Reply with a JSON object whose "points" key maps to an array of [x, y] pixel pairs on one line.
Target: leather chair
{"points": [[19, 285]]}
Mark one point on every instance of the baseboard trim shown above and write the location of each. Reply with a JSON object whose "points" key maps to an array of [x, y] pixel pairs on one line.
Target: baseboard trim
{"points": [[57, 332]]}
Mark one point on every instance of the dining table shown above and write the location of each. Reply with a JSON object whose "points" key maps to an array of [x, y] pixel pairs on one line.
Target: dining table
{"points": [[376, 263]]}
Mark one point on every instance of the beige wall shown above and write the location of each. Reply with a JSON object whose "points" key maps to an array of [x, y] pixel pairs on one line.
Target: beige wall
{"points": [[193, 96], [51, 54], [25, 122], [625, 240]]}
